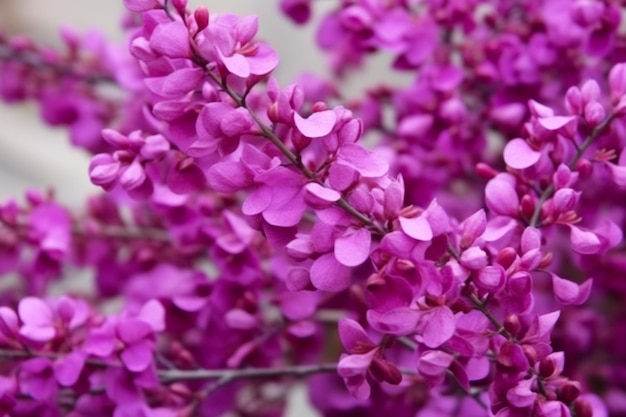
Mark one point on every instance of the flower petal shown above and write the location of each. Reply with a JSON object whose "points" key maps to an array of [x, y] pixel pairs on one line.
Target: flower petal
{"points": [[519, 155]]}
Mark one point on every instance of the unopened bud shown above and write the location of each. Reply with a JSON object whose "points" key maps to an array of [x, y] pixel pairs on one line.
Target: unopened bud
{"points": [[594, 113], [584, 168], [201, 14], [319, 106], [547, 367], [506, 257], [527, 206], [180, 5], [384, 371], [569, 392], [574, 101], [512, 324], [485, 171], [582, 408]]}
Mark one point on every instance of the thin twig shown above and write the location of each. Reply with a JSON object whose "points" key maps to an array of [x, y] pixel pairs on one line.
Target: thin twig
{"points": [[31, 59]]}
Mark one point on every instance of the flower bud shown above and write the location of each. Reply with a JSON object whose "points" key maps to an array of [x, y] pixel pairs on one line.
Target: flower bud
{"points": [[512, 324], [384, 371], [527, 206], [485, 171], [201, 14], [594, 113], [472, 228], [590, 91], [474, 258], [565, 200], [547, 367], [180, 5], [574, 101], [506, 257], [583, 408], [617, 81], [584, 168], [491, 278], [569, 392]]}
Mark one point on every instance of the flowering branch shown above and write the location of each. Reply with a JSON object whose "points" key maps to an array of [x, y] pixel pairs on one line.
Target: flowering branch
{"points": [[580, 151], [271, 136]]}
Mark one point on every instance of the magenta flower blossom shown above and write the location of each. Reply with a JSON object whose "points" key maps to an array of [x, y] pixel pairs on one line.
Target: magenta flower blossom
{"points": [[447, 225]]}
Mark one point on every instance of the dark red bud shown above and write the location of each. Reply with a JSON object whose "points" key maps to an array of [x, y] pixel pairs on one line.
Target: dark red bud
{"points": [[384, 371], [547, 368], [485, 171], [569, 392], [582, 408], [512, 324], [527, 206], [506, 257], [202, 17], [584, 168], [180, 5]]}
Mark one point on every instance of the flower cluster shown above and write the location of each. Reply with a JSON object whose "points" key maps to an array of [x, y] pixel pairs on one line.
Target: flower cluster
{"points": [[245, 227]]}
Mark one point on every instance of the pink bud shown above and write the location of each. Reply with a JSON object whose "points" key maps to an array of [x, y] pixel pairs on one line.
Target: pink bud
{"points": [[617, 81], [594, 113], [565, 200], [584, 168], [472, 228], [201, 14], [527, 206], [485, 171], [491, 278], [506, 257], [574, 101], [474, 258], [590, 91]]}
